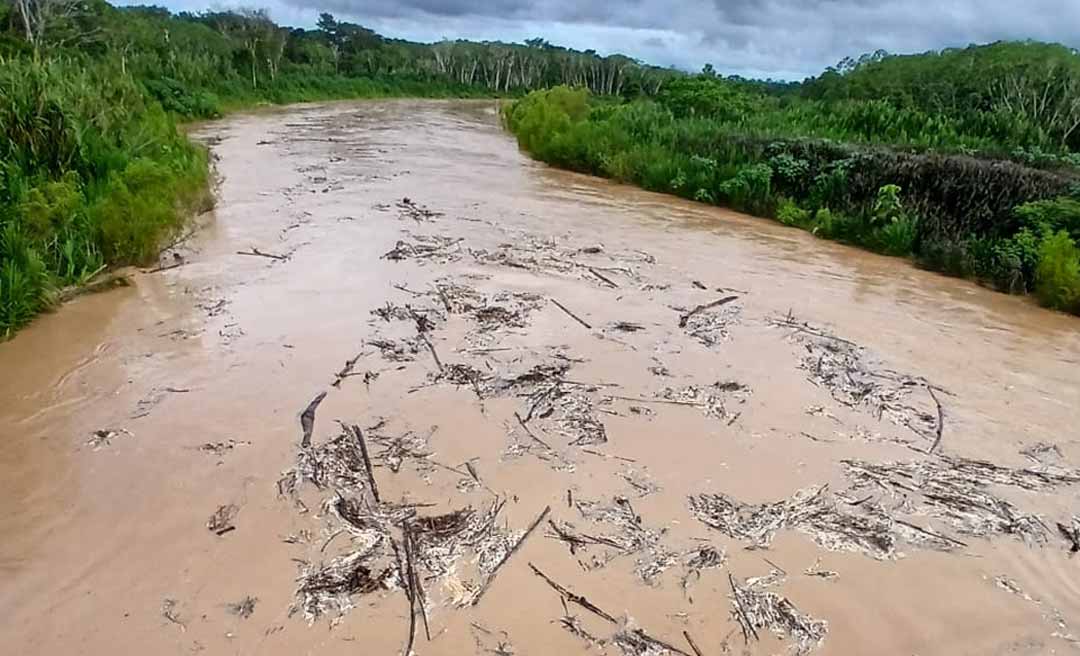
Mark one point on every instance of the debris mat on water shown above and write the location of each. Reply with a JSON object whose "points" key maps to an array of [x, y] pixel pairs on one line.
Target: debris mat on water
{"points": [[956, 491], [710, 324], [462, 549], [854, 380], [623, 533], [755, 608], [813, 512]]}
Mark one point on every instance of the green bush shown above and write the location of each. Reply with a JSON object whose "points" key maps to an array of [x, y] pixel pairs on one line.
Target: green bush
{"points": [[24, 280], [898, 236], [1057, 275], [1015, 259], [178, 98], [789, 213], [94, 171], [1042, 216], [751, 188]]}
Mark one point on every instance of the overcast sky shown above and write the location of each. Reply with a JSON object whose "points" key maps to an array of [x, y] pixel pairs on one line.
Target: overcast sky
{"points": [[783, 39]]}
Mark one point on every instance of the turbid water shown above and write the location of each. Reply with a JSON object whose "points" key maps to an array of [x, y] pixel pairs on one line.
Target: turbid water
{"points": [[130, 417]]}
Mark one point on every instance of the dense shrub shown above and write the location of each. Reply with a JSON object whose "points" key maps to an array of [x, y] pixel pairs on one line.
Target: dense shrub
{"points": [[982, 218], [93, 171], [1057, 275]]}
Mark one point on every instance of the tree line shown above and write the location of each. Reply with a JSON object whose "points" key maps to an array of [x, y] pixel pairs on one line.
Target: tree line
{"points": [[215, 50]]}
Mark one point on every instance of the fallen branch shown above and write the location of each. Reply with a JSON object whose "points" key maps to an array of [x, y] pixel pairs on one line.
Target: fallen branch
{"points": [[405, 289], [571, 314], [530, 433], [686, 634], [346, 371], [933, 534], [445, 300], [416, 585], [509, 553], [574, 598], [940, 419], [307, 419], [640, 399], [166, 267], [258, 253], [410, 592], [92, 286], [567, 595], [607, 455], [367, 461], [744, 621], [707, 306], [427, 342], [789, 322], [601, 276]]}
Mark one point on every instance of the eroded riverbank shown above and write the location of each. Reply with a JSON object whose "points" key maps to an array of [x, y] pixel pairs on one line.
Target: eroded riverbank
{"points": [[527, 354]]}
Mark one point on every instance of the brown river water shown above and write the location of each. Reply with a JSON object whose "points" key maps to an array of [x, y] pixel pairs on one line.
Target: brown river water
{"points": [[104, 545]]}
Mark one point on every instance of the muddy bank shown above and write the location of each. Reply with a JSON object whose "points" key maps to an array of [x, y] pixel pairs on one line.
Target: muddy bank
{"points": [[591, 418]]}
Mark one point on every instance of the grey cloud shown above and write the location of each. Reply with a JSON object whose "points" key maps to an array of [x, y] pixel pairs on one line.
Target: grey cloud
{"points": [[777, 38]]}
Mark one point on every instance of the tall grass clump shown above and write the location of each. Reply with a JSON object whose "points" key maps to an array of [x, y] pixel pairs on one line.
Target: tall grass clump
{"points": [[93, 172]]}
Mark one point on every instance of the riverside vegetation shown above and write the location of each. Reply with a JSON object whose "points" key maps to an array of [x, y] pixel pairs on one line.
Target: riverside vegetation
{"points": [[971, 172], [965, 160], [94, 171]]}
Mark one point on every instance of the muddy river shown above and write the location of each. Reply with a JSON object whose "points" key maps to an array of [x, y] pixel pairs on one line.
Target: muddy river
{"points": [[545, 414]]}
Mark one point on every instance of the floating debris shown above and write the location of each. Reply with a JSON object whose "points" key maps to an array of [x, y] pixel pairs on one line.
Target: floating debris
{"points": [[810, 511], [506, 310], [1071, 533], [1043, 453], [816, 570], [462, 549], [634, 639], [396, 350], [393, 312], [709, 324], [710, 399], [170, 611], [243, 608], [490, 641], [410, 209], [327, 588], [853, 380], [221, 522], [623, 535], [425, 248], [700, 559], [221, 448], [956, 490], [104, 437], [756, 608], [545, 255]]}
